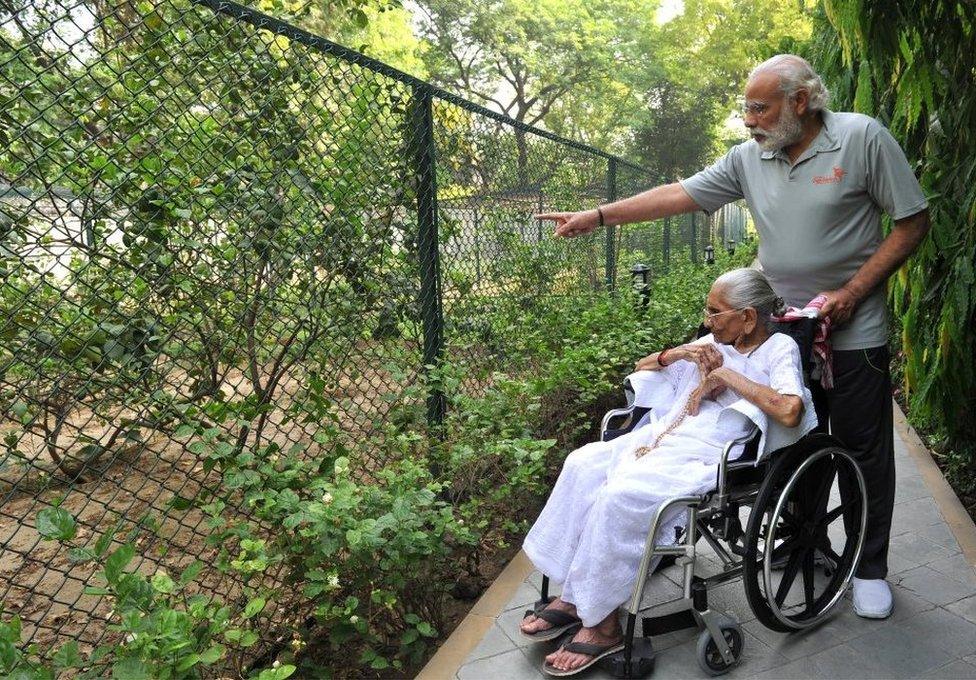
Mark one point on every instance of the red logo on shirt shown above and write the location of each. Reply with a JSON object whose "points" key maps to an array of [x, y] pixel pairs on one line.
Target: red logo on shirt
{"points": [[838, 175]]}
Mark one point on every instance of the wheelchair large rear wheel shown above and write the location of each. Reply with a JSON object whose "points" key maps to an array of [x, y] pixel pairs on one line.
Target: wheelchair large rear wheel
{"points": [[805, 534]]}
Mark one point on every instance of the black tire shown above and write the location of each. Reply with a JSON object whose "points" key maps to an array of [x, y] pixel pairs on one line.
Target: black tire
{"points": [[804, 533], [710, 659]]}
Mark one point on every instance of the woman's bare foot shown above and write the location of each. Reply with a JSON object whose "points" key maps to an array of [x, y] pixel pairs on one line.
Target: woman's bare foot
{"points": [[607, 632], [533, 624]]}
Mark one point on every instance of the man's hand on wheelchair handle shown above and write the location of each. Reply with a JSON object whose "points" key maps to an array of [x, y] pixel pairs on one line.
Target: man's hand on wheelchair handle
{"points": [[569, 224], [839, 306]]}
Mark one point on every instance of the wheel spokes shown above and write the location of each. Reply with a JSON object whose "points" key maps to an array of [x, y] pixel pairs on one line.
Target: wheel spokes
{"points": [[820, 498], [789, 517], [824, 546], [785, 546], [808, 580], [835, 513], [789, 575]]}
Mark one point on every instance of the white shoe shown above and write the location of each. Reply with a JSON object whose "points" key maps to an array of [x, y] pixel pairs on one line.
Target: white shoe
{"points": [[872, 598]]}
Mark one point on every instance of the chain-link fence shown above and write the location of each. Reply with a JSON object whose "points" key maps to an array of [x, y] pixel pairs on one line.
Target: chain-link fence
{"points": [[209, 216]]}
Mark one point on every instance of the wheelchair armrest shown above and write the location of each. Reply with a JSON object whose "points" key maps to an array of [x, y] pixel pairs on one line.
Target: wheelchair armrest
{"points": [[626, 413], [631, 414], [750, 439]]}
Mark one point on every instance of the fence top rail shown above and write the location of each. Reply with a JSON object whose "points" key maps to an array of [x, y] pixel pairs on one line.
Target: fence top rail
{"points": [[263, 21]]}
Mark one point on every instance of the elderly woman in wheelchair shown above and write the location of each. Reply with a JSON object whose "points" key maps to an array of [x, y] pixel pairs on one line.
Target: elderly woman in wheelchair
{"points": [[678, 472]]}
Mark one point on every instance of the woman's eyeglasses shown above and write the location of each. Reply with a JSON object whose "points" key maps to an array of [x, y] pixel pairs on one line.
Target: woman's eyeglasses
{"points": [[710, 315]]}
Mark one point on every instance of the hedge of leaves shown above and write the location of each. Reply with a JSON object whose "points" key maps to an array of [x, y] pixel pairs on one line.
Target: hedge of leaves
{"points": [[912, 64]]}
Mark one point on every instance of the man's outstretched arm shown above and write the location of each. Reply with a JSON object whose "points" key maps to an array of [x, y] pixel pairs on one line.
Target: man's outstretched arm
{"points": [[662, 201]]}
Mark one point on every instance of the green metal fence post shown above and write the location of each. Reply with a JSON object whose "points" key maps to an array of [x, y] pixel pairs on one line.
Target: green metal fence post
{"points": [[667, 243], [611, 197], [694, 239], [428, 253], [477, 246], [539, 210]]}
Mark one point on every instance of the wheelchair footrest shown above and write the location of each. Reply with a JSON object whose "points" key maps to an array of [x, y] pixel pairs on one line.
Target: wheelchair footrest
{"points": [[540, 604], [641, 664], [659, 625]]}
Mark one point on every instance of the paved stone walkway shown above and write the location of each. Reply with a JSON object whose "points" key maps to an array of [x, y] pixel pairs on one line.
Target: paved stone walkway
{"points": [[931, 634]]}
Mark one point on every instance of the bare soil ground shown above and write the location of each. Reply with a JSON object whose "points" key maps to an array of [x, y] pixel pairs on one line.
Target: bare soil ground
{"points": [[39, 582]]}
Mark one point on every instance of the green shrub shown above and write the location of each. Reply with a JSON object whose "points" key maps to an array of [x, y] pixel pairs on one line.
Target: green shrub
{"points": [[160, 631]]}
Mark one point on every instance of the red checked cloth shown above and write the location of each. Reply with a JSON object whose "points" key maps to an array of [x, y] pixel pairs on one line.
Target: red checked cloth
{"points": [[822, 358]]}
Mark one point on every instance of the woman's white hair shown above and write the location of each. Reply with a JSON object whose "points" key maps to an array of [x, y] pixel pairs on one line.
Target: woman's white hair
{"points": [[746, 287], [795, 74]]}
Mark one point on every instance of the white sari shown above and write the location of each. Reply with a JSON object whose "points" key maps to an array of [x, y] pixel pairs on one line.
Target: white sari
{"points": [[590, 535]]}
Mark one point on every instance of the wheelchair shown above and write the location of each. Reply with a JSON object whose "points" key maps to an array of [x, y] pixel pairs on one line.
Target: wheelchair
{"points": [[795, 572]]}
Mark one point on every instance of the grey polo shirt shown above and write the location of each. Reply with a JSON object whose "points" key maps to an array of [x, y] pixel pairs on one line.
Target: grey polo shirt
{"points": [[819, 219]]}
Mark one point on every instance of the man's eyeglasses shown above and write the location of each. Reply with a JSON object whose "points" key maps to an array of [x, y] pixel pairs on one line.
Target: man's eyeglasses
{"points": [[757, 109], [711, 315]]}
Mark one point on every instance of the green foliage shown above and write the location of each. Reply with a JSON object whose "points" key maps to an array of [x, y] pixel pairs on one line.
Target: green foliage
{"points": [[501, 447], [56, 523], [610, 74], [911, 64], [359, 548], [164, 631], [205, 228], [701, 59], [18, 664], [241, 292]]}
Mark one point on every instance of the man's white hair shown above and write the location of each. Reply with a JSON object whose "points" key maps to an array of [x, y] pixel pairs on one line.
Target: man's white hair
{"points": [[795, 74]]}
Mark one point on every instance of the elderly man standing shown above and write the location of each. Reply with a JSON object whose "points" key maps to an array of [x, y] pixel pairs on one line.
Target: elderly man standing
{"points": [[816, 183]]}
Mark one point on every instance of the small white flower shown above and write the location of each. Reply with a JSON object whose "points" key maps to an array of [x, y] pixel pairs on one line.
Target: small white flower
{"points": [[273, 457], [353, 619], [327, 498], [334, 580], [276, 664]]}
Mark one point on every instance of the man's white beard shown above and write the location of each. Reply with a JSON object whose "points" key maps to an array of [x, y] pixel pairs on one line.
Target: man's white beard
{"points": [[787, 130]]}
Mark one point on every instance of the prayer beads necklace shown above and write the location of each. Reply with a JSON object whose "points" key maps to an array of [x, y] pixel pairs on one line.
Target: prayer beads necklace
{"points": [[642, 451]]}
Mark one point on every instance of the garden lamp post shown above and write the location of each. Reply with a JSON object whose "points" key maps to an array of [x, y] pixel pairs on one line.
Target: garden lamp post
{"points": [[709, 254], [640, 273], [731, 247]]}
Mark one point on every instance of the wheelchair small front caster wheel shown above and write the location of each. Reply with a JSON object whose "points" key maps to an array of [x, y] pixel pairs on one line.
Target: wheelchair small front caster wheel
{"points": [[710, 658]]}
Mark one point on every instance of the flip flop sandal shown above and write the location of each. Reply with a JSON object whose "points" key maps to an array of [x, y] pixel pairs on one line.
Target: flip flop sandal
{"points": [[561, 622], [596, 651]]}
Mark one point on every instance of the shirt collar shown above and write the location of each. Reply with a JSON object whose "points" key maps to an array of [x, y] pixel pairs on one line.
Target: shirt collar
{"points": [[825, 140]]}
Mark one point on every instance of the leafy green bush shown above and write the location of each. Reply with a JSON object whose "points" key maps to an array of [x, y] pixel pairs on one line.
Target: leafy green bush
{"points": [[910, 64], [359, 548], [161, 631]]}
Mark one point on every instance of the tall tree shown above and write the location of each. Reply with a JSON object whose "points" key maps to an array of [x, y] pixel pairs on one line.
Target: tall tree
{"points": [[519, 57], [705, 54]]}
